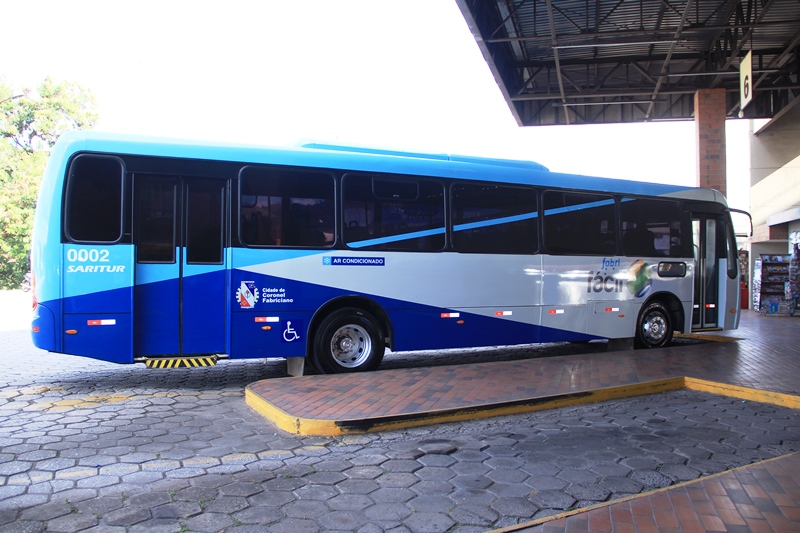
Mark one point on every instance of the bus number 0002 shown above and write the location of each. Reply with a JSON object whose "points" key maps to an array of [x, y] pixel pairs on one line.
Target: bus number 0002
{"points": [[87, 256]]}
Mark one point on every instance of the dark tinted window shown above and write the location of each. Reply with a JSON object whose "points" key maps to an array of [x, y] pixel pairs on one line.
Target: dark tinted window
{"points": [[579, 223], [389, 213], [205, 222], [286, 207], [654, 228], [93, 207], [156, 202], [490, 218]]}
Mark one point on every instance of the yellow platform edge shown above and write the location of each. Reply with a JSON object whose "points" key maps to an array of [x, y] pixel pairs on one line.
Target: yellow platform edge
{"points": [[330, 428], [316, 427]]}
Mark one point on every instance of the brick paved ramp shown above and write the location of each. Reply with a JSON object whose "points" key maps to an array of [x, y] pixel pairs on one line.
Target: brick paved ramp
{"points": [[765, 368], [90, 446]]}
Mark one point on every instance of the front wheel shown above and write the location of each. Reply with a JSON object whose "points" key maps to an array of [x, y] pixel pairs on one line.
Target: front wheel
{"points": [[654, 328], [348, 340]]}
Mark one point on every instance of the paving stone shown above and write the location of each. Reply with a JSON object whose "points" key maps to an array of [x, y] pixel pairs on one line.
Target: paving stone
{"points": [[517, 507], [471, 482], [507, 476], [433, 487], [343, 521], [387, 511], [651, 479], [392, 494], [311, 509], [541, 483], [680, 473], [14, 467], [351, 502], [428, 522], [551, 499], [8, 515], [621, 485], [127, 516], [294, 525], [437, 447], [272, 498], [45, 512], [472, 497], [23, 501], [594, 493], [474, 515], [201, 460], [433, 473], [316, 492], [149, 499], [430, 503], [9, 491], [260, 515], [357, 486], [209, 522]]}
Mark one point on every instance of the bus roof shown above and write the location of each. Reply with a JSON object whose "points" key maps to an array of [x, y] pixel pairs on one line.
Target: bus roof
{"points": [[366, 160]]}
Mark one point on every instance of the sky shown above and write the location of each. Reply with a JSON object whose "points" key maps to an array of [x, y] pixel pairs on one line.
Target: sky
{"points": [[395, 74]]}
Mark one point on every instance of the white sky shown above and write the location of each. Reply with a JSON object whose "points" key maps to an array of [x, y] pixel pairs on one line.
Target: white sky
{"points": [[397, 74]]}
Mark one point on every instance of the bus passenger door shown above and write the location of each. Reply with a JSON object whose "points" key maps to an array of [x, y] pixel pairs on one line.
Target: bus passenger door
{"points": [[705, 311], [203, 277], [180, 285]]}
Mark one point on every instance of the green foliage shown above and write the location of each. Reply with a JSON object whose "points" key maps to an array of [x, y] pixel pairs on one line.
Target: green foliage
{"points": [[30, 123]]}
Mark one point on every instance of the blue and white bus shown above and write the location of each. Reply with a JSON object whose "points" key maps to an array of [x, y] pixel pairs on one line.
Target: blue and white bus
{"points": [[177, 253]]}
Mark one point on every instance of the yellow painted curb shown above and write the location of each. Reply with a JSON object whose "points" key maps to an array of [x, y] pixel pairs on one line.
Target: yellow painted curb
{"points": [[705, 337], [743, 393], [331, 428]]}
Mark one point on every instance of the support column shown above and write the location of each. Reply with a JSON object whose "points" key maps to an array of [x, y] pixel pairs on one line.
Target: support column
{"points": [[709, 119]]}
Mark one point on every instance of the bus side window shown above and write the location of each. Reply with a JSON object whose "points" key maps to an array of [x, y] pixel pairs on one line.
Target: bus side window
{"points": [[494, 219], [93, 200], [286, 207], [383, 212], [579, 223], [654, 228]]}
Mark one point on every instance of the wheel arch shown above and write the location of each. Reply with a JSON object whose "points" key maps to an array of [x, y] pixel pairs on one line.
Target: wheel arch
{"points": [[673, 305], [360, 302]]}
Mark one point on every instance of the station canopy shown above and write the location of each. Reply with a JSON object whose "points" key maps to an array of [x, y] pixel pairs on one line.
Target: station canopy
{"points": [[612, 61]]}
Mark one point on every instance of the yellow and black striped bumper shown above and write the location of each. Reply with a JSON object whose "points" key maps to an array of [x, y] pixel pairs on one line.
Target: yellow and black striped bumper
{"points": [[177, 362]]}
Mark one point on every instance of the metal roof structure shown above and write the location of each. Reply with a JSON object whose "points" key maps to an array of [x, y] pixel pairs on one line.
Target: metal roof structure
{"points": [[611, 61]]}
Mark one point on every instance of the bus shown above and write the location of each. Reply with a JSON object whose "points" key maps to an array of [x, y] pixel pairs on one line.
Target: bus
{"points": [[176, 253]]}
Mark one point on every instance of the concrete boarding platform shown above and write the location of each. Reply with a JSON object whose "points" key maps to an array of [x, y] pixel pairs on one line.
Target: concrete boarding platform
{"points": [[764, 366]]}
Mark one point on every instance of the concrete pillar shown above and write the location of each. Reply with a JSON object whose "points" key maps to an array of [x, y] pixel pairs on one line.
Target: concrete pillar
{"points": [[709, 119]]}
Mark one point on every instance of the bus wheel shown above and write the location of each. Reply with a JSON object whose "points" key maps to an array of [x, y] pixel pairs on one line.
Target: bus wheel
{"points": [[654, 328], [348, 340]]}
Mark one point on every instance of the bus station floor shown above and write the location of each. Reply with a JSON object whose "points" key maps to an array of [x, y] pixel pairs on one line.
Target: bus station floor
{"points": [[758, 362]]}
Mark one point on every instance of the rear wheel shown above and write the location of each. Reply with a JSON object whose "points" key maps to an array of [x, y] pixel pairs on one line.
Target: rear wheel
{"points": [[654, 328], [348, 340]]}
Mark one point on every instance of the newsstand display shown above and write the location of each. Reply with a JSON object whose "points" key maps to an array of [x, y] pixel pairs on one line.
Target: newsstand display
{"points": [[775, 284]]}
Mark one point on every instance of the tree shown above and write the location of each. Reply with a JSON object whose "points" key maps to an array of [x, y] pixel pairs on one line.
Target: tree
{"points": [[30, 123]]}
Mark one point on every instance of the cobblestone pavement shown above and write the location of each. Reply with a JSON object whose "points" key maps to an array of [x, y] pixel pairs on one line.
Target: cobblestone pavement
{"points": [[91, 446]]}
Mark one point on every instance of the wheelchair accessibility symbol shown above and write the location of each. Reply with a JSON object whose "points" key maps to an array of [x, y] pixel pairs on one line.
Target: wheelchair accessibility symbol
{"points": [[291, 330]]}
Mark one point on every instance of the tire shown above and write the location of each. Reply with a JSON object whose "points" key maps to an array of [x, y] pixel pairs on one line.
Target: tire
{"points": [[654, 328], [348, 340]]}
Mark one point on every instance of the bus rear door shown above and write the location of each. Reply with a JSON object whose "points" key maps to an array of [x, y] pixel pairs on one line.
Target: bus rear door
{"points": [[180, 306]]}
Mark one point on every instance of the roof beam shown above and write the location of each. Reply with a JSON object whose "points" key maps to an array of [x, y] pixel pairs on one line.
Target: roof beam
{"points": [[643, 33], [665, 65], [555, 54]]}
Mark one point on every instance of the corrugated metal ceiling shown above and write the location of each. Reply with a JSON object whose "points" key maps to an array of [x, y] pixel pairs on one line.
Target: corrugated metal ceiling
{"points": [[604, 61]]}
